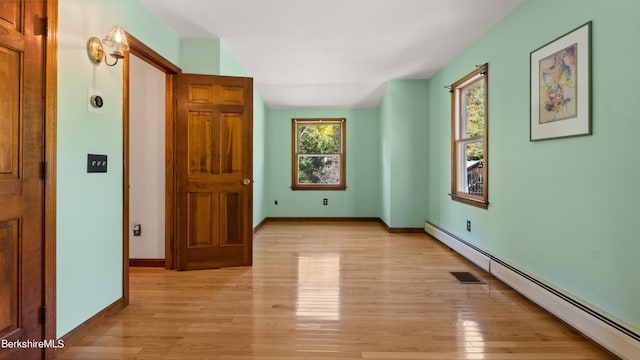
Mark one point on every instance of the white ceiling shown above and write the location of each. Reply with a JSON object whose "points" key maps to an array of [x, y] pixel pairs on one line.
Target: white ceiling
{"points": [[334, 53]]}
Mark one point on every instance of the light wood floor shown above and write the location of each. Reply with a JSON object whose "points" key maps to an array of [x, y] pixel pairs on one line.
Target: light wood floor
{"points": [[331, 290]]}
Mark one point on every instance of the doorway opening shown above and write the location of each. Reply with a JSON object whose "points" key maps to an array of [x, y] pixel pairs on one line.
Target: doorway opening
{"points": [[147, 132], [141, 59], [208, 164]]}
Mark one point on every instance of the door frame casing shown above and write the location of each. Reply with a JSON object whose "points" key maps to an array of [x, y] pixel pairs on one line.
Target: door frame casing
{"points": [[148, 55], [50, 153]]}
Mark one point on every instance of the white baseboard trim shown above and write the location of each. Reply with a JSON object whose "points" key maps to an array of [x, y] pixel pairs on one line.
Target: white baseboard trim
{"points": [[471, 252], [620, 339]]}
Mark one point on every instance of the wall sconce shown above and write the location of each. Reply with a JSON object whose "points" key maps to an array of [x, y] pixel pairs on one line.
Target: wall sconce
{"points": [[116, 39]]}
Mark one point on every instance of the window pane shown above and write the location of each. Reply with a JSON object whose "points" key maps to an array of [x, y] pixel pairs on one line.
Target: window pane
{"points": [[474, 153], [319, 169], [319, 139], [473, 110]]}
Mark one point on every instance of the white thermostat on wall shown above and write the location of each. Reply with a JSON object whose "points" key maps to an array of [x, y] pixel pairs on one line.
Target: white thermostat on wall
{"points": [[95, 101]]}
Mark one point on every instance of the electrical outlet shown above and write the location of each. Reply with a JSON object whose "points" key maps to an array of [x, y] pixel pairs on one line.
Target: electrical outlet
{"points": [[325, 201], [469, 225]]}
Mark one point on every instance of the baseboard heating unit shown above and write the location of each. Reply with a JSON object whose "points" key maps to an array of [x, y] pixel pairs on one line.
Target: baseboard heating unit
{"points": [[620, 339]]}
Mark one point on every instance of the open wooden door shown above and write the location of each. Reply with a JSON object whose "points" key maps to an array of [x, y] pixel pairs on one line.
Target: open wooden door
{"points": [[213, 157], [21, 182]]}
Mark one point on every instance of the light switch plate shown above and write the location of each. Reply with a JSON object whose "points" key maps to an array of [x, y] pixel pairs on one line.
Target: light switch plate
{"points": [[96, 163]]}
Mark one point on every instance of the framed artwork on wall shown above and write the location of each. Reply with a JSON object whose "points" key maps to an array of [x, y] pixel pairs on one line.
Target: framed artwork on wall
{"points": [[561, 86]]}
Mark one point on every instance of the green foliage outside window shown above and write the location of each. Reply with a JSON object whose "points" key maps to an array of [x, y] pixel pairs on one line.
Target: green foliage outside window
{"points": [[319, 148], [474, 108]]}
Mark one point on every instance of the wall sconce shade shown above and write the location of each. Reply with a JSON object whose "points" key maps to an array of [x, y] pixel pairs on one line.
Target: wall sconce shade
{"points": [[116, 39]]}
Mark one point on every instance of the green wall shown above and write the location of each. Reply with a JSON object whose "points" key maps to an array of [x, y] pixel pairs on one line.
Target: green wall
{"points": [[403, 114], [563, 210], [200, 56], [386, 117], [89, 206], [259, 158], [229, 65], [360, 199]]}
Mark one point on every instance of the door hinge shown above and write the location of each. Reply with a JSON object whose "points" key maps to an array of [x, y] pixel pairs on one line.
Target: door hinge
{"points": [[43, 314], [45, 26], [43, 170]]}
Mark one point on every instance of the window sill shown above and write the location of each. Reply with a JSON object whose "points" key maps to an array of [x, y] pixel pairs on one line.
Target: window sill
{"points": [[470, 201], [319, 187]]}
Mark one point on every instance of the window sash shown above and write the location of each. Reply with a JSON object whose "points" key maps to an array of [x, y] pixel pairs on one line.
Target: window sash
{"points": [[463, 179], [325, 181], [301, 150], [324, 177], [464, 110]]}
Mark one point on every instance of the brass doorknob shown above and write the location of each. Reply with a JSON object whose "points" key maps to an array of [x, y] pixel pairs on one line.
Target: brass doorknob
{"points": [[246, 181]]}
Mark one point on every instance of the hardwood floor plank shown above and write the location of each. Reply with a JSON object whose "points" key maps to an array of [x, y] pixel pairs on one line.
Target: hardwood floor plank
{"points": [[331, 290]]}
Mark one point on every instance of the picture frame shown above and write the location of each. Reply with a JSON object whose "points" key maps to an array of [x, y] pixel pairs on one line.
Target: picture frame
{"points": [[561, 86]]}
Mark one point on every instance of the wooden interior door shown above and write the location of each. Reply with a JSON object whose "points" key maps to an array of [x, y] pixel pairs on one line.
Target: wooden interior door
{"points": [[213, 142], [21, 184]]}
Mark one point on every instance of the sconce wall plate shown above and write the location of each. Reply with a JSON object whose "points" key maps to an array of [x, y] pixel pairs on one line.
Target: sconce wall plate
{"points": [[95, 50]]}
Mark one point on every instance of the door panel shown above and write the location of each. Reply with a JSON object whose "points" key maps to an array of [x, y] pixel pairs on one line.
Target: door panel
{"points": [[9, 270], [9, 87], [231, 142], [10, 14], [21, 186], [200, 220], [200, 145], [231, 218], [213, 171]]}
